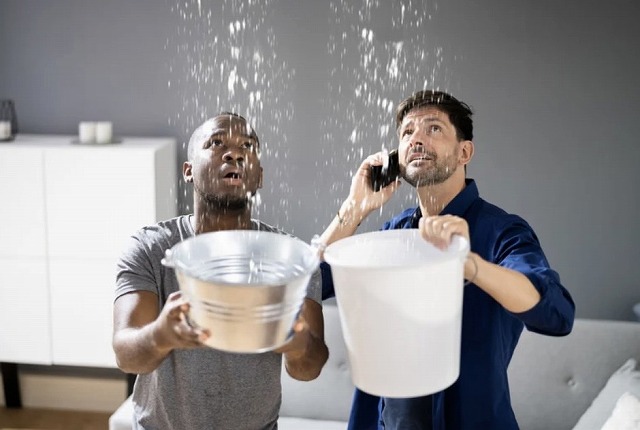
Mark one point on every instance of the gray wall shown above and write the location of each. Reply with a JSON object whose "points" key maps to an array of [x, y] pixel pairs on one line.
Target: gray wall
{"points": [[553, 84]]}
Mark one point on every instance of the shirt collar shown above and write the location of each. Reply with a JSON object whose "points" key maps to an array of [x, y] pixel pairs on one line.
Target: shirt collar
{"points": [[458, 206]]}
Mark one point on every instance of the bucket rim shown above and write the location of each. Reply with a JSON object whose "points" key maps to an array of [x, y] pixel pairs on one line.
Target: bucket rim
{"points": [[310, 262], [458, 248]]}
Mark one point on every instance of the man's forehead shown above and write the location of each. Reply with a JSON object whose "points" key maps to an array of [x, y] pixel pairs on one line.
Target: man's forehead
{"points": [[229, 123], [425, 113]]}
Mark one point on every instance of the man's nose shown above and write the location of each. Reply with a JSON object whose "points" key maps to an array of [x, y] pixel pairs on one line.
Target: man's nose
{"points": [[416, 141], [233, 155], [418, 138]]}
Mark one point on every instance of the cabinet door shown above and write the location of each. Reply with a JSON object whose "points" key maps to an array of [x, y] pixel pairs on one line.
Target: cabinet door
{"points": [[97, 197], [24, 293], [82, 292], [25, 333], [22, 213]]}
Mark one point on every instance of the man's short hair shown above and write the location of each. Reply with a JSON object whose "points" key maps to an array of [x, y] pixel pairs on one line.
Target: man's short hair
{"points": [[459, 112]]}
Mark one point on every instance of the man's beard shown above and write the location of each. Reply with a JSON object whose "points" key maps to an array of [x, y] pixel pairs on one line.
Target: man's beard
{"points": [[219, 202], [434, 175], [226, 203]]}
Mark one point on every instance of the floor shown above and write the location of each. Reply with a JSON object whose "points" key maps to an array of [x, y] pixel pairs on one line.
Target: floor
{"points": [[51, 419]]}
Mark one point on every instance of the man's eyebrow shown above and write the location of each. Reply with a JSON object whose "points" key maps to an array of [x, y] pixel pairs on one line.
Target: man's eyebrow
{"points": [[431, 118], [225, 132], [219, 131]]}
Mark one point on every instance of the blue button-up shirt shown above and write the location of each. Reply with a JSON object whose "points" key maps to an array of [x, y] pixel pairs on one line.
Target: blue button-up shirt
{"points": [[480, 398]]}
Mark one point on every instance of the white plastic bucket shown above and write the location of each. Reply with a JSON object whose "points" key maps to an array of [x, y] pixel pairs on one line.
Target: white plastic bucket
{"points": [[400, 302]]}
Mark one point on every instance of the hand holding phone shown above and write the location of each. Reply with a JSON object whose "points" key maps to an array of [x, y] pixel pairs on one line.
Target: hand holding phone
{"points": [[381, 176]]}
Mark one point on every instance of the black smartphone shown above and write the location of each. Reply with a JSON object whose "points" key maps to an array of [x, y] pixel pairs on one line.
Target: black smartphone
{"points": [[382, 176]]}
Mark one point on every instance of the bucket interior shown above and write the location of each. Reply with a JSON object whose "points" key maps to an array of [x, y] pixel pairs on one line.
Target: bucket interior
{"points": [[245, 257]]}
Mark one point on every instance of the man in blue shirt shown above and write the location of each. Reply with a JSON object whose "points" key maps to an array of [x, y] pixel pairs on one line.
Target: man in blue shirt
{"points": [[510, 282]]}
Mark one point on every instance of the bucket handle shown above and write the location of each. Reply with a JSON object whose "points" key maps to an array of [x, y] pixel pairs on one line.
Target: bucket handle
{"points": [[318, 245], [168, 261]]}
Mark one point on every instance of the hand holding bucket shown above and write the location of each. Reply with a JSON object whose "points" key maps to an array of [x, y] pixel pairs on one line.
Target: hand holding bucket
{"points": [[246, 287], [400, 302]]}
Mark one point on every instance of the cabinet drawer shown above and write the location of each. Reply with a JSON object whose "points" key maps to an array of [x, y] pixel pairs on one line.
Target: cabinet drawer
{"points": [[82, 293], [25, 332], [96, 198], [22, 211]]}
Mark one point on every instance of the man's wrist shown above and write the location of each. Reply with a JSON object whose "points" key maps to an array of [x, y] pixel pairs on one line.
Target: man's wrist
{"points": [[350, 214], [471, 267]]}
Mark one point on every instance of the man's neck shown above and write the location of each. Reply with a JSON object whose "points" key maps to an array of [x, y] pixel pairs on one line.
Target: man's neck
{"points": [[434, 198], [207, 219]]}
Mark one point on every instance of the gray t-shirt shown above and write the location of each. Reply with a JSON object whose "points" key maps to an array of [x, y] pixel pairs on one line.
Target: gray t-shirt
{"points": [[198, 388]]}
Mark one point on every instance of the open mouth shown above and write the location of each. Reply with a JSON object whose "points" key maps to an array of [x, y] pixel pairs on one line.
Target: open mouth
{"points": [[232, 175]]}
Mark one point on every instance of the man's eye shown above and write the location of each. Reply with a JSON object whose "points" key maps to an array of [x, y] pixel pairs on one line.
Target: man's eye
{"points": [[247, 145], [435, 128], [213, 142], [406, 132]]}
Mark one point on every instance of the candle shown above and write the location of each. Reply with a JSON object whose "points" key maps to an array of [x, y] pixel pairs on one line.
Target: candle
{"points": [[104, 131], [87, 132]]}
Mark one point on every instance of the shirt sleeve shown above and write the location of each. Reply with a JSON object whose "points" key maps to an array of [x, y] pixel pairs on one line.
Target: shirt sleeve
{"points": [[134, 270], [314, 290], [328, 289], [518, 249]]}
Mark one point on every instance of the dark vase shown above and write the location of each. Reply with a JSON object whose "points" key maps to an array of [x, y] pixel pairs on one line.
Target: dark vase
{"points": [[8, 113]]}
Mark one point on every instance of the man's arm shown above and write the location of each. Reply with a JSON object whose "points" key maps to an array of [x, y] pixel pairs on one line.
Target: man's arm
{"points": [[362, 200], [545, 307], [143, 335], [306, 353], [508, 287]]}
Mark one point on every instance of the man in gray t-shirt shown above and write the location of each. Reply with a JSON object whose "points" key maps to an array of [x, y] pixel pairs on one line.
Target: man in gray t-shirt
{"points": [[183, 384]]}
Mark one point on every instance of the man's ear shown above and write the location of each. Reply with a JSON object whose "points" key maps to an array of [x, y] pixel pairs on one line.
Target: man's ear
{"points": [[187, 171], [466, 152], [260, 181]]}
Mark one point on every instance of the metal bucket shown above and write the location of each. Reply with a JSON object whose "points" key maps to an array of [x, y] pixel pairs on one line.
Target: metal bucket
{"points": [[246, 287]]}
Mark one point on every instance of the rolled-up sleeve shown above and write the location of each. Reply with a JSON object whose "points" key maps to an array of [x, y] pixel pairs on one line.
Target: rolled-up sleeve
{"points": [[519, 249]]}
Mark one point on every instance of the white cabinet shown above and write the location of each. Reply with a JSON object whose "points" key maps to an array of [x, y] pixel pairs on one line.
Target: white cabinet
{"points": [[66, 211], [25, 323]]}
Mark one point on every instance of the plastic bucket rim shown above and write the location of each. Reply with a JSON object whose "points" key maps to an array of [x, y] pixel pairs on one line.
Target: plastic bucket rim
{"points": [[332, 260]]}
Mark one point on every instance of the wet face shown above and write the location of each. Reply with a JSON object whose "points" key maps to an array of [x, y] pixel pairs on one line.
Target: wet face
{"points": [[429, 148], [224, 165]]}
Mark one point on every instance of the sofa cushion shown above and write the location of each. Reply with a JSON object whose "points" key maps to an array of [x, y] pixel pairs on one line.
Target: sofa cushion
{"points": [[626, 414], [553, 380], [624, 380], [290, 423], [122, 418]]}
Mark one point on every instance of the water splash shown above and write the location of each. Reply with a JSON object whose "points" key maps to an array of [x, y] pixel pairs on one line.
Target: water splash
{"points": [[224, 57], [381, 52]]}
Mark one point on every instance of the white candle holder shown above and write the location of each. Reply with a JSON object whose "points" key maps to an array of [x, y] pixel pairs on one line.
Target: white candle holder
{"points": [[104, 132], [87, 132]]}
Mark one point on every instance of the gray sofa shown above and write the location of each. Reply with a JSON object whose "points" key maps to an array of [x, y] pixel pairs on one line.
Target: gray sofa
{"points": [[553, 380]]}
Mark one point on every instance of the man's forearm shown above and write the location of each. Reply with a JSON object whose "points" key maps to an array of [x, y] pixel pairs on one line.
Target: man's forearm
{"points": [[306, 366], [344, 224], [136, 350], [511, 289]]}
